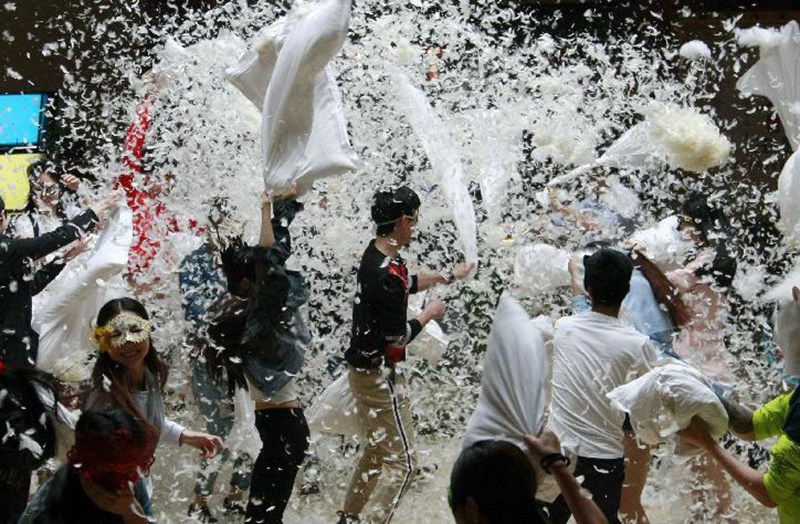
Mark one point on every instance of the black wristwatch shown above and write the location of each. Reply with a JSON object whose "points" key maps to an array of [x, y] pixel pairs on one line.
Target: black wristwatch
{"points": [[549, 460]]}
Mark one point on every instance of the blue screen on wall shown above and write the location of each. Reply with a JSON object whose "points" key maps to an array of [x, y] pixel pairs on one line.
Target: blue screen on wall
{"points": [[22, 119]]}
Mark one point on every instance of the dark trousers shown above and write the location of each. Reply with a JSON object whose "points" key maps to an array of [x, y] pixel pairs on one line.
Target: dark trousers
{"points": [[284, 441], [14, 487], [602, 478]]}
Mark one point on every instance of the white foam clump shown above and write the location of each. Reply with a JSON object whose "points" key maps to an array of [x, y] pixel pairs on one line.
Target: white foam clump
{"points": [[406, 52], [695, 49], [662, 243], [764, 38], [783, 289], [541, 267], [620, 198], [689, 138], [749, 281]]}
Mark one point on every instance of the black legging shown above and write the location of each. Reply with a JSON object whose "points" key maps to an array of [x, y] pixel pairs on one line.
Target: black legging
{"points": [[15, 484], [284, 441], [602, 478]]}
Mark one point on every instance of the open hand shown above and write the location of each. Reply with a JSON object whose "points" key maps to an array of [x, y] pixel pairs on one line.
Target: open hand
{"points": [[461, 272], [435, 310], [75, 249], [71, 182], [103, 207], [209, 445]]}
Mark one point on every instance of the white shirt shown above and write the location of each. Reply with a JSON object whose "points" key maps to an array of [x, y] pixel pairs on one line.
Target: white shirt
{"points": [[593, 354]]}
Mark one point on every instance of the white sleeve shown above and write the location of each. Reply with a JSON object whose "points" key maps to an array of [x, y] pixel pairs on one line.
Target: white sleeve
{"points": [[171, 432]]}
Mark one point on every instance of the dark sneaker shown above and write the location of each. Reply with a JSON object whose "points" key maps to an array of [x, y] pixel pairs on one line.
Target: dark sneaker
{"points": [[426, 472], [201, 513], [309, 488], [235, 506]]}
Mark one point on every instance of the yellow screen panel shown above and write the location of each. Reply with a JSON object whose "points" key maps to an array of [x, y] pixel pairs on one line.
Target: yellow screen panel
{"points": [[14, 186]]}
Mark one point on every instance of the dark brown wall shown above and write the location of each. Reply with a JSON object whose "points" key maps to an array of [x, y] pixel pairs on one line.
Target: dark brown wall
{"points": [[34, 23]]}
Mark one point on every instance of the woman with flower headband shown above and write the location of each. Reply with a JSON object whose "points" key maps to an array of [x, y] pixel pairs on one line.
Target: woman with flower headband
{"points": [[130, 375], [112, 451]]}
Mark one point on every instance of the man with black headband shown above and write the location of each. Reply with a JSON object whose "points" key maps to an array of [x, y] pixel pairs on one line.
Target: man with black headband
{"points": [[380, 333]]}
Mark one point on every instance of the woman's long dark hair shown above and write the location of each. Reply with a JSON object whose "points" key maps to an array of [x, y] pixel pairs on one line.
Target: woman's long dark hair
{"points": [[222, 348], [106, 369], [665, 292], [22, 411], [500, 478], [34, 171], [714, 230]]}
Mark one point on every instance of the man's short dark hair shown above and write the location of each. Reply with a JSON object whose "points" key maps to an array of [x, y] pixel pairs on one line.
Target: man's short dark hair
{"points": [[607, 276], [391, 204]]}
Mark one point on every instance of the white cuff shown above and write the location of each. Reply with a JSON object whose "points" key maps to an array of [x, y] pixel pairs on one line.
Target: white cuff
{"points": [[171, 432]]}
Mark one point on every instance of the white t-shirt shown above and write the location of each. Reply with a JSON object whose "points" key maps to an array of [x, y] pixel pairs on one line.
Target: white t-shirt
{"points": [[593, 354]]}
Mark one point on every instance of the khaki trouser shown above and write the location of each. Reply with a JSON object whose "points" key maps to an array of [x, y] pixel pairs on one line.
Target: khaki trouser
{"points": [[385, 413]]}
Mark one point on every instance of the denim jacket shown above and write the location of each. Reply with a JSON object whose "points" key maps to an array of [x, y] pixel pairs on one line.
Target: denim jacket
{"points": [[275, 335]]}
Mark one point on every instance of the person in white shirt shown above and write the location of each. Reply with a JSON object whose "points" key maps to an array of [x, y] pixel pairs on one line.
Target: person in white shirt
{"points": [[594, 352]]}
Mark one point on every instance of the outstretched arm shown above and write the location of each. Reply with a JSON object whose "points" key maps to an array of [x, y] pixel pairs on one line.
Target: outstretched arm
{"points": [[428, 281], [740, 418], [747, 477], [267, 236]]}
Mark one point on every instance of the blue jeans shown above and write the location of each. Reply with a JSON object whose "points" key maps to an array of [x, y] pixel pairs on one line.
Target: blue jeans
{"points": [[216, 409]]}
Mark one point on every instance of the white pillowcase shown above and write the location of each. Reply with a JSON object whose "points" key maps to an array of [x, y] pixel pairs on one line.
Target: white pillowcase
{"points": [[287, 76], [664, 400]]}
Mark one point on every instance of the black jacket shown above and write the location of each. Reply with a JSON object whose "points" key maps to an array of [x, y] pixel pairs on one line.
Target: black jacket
{"points": [[379, 311], [19, 343]]}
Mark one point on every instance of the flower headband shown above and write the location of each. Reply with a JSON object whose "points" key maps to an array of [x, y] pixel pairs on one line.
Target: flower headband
{"points": [[124, 328]]}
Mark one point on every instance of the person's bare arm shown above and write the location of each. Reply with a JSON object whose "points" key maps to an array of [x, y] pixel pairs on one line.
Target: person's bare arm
{"points": [[267, 236], [637, 466], [750, 479], [584, 509], [740, 418], [429, 280]]}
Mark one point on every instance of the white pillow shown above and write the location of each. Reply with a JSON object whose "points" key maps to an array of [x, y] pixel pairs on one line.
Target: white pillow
{"points": [[664, 400], [335, 412], [515, 388], [287, 76], [787, 332]]}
